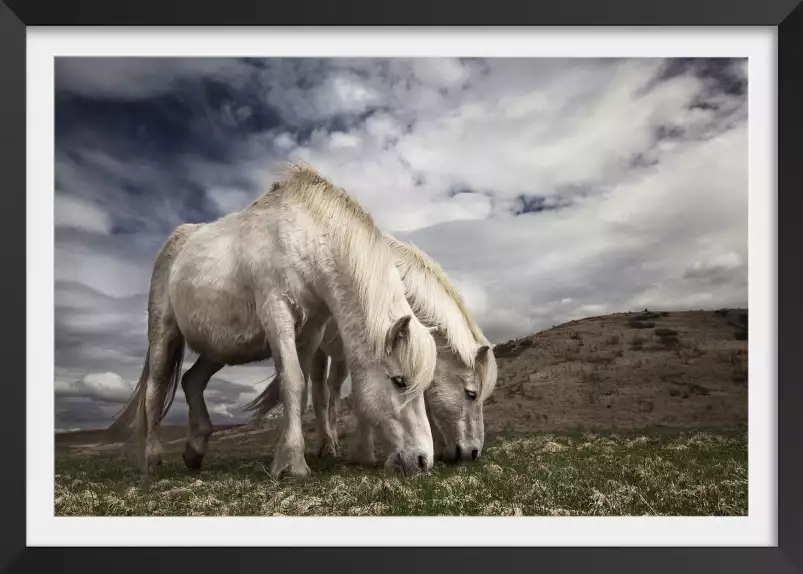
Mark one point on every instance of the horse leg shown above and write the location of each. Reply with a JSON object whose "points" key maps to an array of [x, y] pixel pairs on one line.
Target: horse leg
{"points": [[365, 442], [438, 440], [194, 383], [305, 397], [166, 352], [338, 370], [327, 445], [280, 327]]}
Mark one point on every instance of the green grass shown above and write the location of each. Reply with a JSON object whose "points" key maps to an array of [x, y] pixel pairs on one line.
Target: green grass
{"points": [[692, 473]]}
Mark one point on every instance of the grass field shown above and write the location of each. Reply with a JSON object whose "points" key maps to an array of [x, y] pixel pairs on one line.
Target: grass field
{"points": [[686, 473]]}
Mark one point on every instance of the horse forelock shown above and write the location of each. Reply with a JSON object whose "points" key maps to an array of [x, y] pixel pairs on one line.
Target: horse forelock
{"points": [[417, 354], [488, 375]]}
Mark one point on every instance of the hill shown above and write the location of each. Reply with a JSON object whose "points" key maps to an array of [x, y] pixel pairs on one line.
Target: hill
{"points": [[624, 371]]}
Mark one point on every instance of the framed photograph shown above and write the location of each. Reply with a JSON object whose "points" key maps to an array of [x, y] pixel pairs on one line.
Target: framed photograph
{"points": [[473, 285]]}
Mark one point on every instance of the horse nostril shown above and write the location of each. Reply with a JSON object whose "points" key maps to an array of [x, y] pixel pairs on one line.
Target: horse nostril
{"points": [[474, 454], [458, 453], [422, 462]]}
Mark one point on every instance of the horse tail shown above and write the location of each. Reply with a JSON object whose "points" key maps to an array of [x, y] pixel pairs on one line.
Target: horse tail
{"points": [[269, 401], [126, 420], [130, 420], [174, 376]]}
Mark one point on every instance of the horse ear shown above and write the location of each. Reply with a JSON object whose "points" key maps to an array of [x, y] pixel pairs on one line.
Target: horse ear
{"points": [[482, 355], [398, 332]]}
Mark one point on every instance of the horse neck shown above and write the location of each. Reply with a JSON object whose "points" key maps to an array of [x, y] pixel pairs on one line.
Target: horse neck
{"points": [[364, 295], [436, 307]]}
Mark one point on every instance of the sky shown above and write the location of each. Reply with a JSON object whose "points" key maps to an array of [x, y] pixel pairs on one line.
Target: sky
{"points": [[548, 189]]}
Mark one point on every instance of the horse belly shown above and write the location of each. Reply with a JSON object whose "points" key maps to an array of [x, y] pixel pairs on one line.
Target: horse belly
{"points": [[215, 312], [222, 327]]}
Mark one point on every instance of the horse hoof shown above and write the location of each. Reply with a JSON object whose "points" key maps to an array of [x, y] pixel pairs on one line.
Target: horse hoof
{"points": [[152, 464], [297, 471], [192, 458], [327, 450]]}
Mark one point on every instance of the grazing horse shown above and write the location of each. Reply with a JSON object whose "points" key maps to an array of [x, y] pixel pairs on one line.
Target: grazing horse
{"points": [[264, 281], [465, 373]]}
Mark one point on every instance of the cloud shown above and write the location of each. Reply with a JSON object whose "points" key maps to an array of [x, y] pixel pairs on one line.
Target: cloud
{"points": [[716, 269], [80, 214], [136, 78], [106, 387], [637, 245], [443, 73], [110, 269], [549, 189], [228, 200]]}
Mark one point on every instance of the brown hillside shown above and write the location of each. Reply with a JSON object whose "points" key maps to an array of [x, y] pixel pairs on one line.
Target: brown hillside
{"points": [[621, 371]]}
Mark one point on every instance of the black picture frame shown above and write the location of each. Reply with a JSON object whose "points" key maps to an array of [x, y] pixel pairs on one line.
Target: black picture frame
{"points": [[786, 15]]}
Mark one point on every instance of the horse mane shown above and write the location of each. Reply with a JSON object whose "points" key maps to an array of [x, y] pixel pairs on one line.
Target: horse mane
{"points": [[319, 195], [435, 299], [359, 248]]}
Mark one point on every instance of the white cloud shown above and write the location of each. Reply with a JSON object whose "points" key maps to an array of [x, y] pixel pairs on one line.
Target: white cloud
{"points": [[284, 142], [629, 248], [717, 268], [220, 409], [78, 213], [572, 133], [228, 200], [441, 72], [473, 294], [108, 387], [108, 274], [554, 137], [723, 261], [383, 128], [340, 140], [346, 93]]}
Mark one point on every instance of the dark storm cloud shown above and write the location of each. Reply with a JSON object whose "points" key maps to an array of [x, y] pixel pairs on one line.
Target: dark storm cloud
{"points": [[535, 204], [719, 74]]}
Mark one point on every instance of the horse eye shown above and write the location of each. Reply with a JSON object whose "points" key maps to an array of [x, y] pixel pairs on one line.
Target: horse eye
{"points": [[471, 394], [399, 381]]}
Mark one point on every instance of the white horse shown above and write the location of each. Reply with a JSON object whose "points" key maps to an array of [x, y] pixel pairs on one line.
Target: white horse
{"points": [[264, 281], [465, 373]]}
